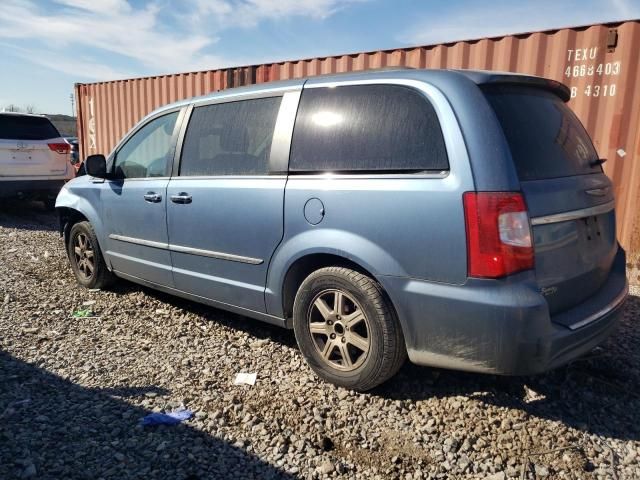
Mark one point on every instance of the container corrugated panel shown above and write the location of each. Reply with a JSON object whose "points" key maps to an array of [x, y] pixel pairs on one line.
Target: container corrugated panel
{"points": [[598, 62]]}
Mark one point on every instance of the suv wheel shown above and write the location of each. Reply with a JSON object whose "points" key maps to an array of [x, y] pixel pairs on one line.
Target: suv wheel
{"points": [[86, 258], [346, 329]]}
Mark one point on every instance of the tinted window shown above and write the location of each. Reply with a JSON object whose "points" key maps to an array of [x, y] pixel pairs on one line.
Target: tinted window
{"points": [[545, 137], [148, 152], [20, 127], [366, 128], [230, 138]]}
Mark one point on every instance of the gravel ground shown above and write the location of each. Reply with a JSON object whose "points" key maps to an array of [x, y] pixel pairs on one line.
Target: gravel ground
{"points": [[73, 390]]}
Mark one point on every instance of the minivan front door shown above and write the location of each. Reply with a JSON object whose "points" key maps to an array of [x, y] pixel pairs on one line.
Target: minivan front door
{"points": [[134, 202], [225, 208]]}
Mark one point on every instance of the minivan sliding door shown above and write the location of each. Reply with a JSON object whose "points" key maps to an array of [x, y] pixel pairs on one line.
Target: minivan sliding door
{"points": [[225, 206]]}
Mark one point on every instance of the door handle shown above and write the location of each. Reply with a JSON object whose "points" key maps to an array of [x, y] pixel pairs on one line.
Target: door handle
{"points": [[182, 197], [152, 197]]}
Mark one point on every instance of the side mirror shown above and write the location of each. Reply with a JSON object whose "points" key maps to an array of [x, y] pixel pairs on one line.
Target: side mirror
{"points": [[96, 166]]}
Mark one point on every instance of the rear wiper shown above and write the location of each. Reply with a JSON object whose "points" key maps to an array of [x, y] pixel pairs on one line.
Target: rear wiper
{"points": [[595, 163]]}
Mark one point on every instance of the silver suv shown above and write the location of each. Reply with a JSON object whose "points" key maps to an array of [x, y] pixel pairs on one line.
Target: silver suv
{"points": [[34, 158]]}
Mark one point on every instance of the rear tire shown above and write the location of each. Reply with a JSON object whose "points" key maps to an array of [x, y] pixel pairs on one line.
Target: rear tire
{"points": [[347, 329], [86, 258]]}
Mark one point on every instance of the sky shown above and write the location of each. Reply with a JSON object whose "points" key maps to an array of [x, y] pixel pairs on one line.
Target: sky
{"points": [[46, 46]]}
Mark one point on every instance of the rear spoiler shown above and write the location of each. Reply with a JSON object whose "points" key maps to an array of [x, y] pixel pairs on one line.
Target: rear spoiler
{"points": [[558, 88]]}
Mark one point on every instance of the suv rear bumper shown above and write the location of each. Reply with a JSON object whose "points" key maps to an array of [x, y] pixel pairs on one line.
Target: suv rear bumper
{"points": [[30, 188], [501, 326]]}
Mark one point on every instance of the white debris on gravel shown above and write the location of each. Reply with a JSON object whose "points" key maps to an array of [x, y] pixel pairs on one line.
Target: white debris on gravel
{"points": [[245, 379], [89, 381]]}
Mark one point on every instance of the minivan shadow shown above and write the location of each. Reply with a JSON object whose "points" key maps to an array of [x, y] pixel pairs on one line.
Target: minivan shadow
{"points": [[26, 215], [255, 328], [53, 428], [598, 393]]}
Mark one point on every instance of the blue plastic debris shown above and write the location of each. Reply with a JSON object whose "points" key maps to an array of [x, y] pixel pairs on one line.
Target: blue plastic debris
{"points": [[171, 418]]}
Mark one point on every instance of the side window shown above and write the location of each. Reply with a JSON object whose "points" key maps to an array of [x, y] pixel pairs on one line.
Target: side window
{"points": [[230, 138], [366, 128], [147, 153]]}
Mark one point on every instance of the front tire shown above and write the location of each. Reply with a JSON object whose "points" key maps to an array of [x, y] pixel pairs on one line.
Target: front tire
{"points": [[86, 258], [347, 329]]}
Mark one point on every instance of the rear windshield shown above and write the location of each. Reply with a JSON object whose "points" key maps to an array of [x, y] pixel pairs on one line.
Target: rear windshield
{"points": [[19, 127], [545, 137]]}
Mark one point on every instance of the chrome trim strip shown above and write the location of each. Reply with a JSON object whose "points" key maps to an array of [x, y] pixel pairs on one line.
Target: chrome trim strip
{"points": [[219, 255], [129, 258], [574, 214], [219, 280], [193, 251], [227, 177], [139, 241], [604, 311], [316, 176], [137, 179], [368, 175]]}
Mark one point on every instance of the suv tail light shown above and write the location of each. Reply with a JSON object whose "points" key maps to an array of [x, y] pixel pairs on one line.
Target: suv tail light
{"points": [[61, 148], [498, 234]]}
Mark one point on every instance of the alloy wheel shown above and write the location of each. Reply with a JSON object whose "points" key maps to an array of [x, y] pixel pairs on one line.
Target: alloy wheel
{"points": [[339, 329], [84, 255]]}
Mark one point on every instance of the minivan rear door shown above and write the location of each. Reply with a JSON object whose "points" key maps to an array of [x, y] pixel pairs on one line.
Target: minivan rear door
{"points": [[25, 147], [570, 199]]}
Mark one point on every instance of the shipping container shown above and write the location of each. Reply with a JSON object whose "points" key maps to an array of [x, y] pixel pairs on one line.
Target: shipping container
{"points": [[599, 63]]}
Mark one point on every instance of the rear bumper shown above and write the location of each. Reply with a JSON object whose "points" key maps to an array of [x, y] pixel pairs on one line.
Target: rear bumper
{"points": [[501, 326], [30, 188]]}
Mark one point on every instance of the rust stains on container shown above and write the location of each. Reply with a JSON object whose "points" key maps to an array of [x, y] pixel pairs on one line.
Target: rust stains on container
{"points": [[599, 63]]}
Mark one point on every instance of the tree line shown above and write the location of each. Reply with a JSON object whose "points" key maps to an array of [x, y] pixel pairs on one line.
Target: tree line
{"points": [[12, 107]]}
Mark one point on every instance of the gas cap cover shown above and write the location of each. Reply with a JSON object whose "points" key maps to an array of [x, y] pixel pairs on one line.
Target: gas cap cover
{"points": [[314, 211]]}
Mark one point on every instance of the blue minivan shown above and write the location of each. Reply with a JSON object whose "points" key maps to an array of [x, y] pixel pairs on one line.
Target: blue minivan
{"points": [[460, 218]]}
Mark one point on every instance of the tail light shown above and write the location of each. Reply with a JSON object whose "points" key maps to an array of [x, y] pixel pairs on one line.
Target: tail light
{"points": [[62, 148], [498, 234]]}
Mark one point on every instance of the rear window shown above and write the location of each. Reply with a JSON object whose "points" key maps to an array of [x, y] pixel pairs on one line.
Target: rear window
{"points": [[19, 127], [545, 137], [380, 128]]}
